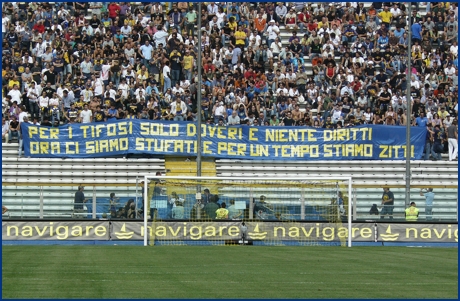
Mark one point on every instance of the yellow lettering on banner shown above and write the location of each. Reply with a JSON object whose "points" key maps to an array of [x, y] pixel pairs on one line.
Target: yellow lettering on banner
{"points": [[314, 151], [90, 147], [62, 234], [354, 131], [111, 129], [100, 231], [235, 133], [391, 151], [293, 135], [33, 130], [195, 234], [70, 132], [34, 148], [328, 135], [191, 130], [54, 132], [206, 146], [44, 147], [311, 135], [281, 137], [103, 146], [276, 148], [55, 148], [221, 147], [84, 128], [233, 231], [327, 150], [231, 148], [343, 134], [252, 136], [366, 232], [178, 146], [74, 145], [220, 134], [258, 150], [367, 133], [212, 131], [189, 144], [99, 128], [241, 149], [77, 231], [123, 129], [43, 132], [158, 129], [284, 151]]}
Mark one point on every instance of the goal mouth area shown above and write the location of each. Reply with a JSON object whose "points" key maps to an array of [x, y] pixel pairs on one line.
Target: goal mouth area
{"points": [[271, 203]]}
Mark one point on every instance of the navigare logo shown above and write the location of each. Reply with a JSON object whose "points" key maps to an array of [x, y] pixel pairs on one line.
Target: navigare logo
{"points": [[123, 234], [389, 236], [415, 232], [257, 234]]}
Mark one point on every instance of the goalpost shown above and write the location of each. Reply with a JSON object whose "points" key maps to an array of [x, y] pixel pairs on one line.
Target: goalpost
{"points": [[275, 211]]}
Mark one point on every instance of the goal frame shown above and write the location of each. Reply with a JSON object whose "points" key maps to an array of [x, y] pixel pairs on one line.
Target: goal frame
{"points": [[149, 177]]}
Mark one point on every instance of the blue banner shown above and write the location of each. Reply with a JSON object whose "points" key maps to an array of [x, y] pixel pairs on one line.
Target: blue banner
{"points": [[90, 140]]}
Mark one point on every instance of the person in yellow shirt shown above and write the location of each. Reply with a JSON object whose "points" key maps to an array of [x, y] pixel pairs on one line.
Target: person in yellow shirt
{"points": [[13, 81], [386, 16], [240, 37], [412, 212], [222, 212], [232, 24], [323, 23], [187, 65]]}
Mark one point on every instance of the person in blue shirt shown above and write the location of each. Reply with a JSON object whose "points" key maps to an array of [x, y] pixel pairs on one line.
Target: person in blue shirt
{"points": [[421, 120], [234, 14], [429, 198], [416, 29]]}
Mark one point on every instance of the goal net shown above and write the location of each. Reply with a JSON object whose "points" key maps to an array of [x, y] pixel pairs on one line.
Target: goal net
{"points": [[259, 211]]}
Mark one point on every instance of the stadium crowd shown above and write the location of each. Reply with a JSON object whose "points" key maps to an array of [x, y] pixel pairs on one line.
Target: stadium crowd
{"points": [[327, 65]]}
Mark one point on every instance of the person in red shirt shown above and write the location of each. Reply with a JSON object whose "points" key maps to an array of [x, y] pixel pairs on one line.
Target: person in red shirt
{"points": [[303, 18], [114, 10], [356, 85], [249, 74], [39, 27]]}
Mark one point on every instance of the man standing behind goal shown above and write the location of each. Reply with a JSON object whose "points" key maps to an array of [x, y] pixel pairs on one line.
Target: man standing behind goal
{"points": [[387, 202]]}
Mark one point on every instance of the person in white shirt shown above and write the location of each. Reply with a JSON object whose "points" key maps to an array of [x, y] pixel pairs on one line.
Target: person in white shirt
{"points": [[5, 129], [160, 36], [86, 116], [233, 119], [97, 85], [33, 94], [124, 87], [454, 48], [166, 77], [15, 94], [178, 109], [273, 32], [126, 30]]}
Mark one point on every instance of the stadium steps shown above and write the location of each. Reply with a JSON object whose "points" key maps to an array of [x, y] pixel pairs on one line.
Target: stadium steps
{"points": [[24, 178], [368, 179], [180, 166]]}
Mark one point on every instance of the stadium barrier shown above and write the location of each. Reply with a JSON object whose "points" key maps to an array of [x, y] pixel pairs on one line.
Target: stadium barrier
{"points": [[223, 232]]}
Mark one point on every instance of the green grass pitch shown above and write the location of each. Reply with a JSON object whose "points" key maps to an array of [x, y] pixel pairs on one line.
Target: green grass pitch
{"points": [[128, 272]]}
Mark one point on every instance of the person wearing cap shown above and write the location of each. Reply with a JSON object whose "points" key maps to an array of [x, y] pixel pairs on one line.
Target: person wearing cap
{"points": [[273, 32], [412, 212]]}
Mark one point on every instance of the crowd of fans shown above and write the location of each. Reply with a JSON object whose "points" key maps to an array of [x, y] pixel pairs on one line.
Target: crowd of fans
{"points": [[326, 65]]}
